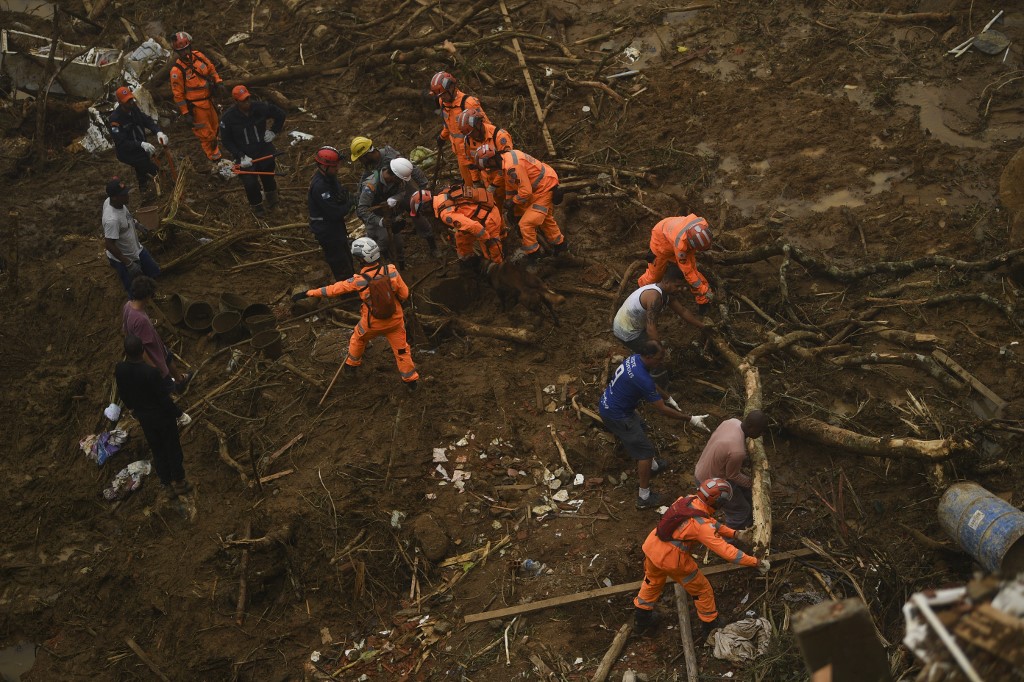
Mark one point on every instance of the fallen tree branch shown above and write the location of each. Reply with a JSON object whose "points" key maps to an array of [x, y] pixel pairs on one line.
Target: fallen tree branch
{"points": [[882, 446], [909, 18], [537, 108], [614, 650], [918, 360], [224, 242], [225, 456], [961, 297]]}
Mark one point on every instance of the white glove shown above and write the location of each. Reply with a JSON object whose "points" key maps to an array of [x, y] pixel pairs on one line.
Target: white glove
{"points": [[763, 566], [671, 402], [246, 162], [148, 148], [184, 419], [269, 136], [698, 421], [163, 139], [392, 202]]}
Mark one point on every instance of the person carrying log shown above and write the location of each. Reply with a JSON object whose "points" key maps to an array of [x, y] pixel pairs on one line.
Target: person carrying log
{"points": [[375, 158], [451, 102], [470, 216], [678, 239], [329, 202], [631, 384], [194, 83], [383, 199], [247, 131], [478, 131], [635, 322], [723, 457], [668, 553], [382, 290], [128, 128]]}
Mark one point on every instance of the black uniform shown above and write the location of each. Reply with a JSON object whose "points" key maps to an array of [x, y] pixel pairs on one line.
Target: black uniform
{"points": [[143, 391], [128, 127], [242, 135], [329, 203]]}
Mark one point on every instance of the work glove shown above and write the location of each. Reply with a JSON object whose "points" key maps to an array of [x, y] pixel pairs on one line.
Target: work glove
{"points": [[134, 269], [703, 308], [441, 141], [671, 402], [148, 148], [163, 139], [301, 296], [246, 162], [697, 420], [763, 566], [184, 420], [392, 201], [745, 536], [269, 136]]}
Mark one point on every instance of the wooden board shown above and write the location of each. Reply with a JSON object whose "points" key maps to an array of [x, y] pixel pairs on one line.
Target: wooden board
{"points": [[994, 631]]}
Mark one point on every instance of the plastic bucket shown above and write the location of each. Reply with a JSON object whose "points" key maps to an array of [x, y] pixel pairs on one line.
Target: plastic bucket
{"points": [[256, 309], [260, 323], [228, 327], [269, 342], [175, 307], [987, 527], [149, 217], [199, 316], [229, 301]]}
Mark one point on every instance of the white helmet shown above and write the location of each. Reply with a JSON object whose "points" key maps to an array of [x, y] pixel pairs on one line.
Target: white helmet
{"points": [[402, 168], [366, 249]]}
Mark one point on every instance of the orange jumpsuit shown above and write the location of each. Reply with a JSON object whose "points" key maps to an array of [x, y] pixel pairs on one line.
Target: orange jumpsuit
{"points": [[450, 131], [501, 141], [473, 219], [190, 86], [531, 184], [673, 559], [369, 327], [668, 243]]}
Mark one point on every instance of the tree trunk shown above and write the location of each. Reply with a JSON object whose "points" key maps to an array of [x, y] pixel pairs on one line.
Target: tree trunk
{"points": [[875, 446]]}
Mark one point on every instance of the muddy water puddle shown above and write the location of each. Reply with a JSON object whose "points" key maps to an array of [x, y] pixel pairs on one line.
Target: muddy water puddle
{"points": [[16, 660]]}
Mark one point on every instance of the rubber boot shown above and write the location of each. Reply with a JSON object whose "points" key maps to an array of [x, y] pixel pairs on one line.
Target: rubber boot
{"points": [[271, 199], [258, 210], [412, 386], [432, 246], [560, 249], [644, 621], [350, 370], [707, 627]]}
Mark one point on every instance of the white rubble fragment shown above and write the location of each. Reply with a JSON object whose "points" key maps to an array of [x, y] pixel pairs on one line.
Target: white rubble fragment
{"points": [[237, 38], [561, 496], [441, 470], [550, 389], [439, 455], [315, 657], [298, 137], [462, 442], [578, 480], [396, 518]]}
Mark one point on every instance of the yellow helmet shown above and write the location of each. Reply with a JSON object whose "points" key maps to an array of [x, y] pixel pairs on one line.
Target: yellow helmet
{"points": [[360, 145]]}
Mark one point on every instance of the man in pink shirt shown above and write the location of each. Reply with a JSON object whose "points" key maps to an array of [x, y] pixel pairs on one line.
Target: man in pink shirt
{"points": [[724, 456], [136, 321]]}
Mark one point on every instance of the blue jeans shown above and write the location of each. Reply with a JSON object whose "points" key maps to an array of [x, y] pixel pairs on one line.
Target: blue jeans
{"points": [[149, 268]]}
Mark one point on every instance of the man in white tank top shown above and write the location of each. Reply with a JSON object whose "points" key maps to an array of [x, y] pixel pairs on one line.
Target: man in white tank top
{"points": [[635, 322]]}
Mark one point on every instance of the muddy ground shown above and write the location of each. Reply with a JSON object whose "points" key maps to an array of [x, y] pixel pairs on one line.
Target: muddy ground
{"points": [[851, 136]]}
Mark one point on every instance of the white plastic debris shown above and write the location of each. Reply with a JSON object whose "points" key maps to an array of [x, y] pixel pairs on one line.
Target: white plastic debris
{"points": [[112, 412], [1011, 598], [607, 582], [561, 496], [550, 389], [439, 455], [631, 54], [578, 480], [298, 137], [578, 661], [441, 470], [396, 518], [554, 484], [315, 657], [431, 496], [95, 139], [462, 442], [128, 479], [237, 38]]}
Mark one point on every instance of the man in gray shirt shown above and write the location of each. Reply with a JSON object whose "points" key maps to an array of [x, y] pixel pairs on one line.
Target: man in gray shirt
{"points": [[124, 251]]}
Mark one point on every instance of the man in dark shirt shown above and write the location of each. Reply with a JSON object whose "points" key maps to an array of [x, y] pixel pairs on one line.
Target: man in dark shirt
{"points": [[128, 127], [141, 388], [245, 135], [329, 203]]}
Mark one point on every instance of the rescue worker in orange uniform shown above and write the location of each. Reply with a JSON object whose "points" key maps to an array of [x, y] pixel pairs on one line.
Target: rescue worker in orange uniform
{"points": [[371, 324], [687, 524], [194, 83], [531, 185], [679, 239], [450, 103], [478, 131], [469, 213]]}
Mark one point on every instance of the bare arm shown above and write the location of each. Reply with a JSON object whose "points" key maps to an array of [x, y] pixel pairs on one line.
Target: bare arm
{"points": [[684, 312]]}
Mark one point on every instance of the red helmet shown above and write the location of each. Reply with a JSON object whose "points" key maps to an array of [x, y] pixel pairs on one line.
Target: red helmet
{"points": [[182, 41], [124, 94], [468, 120], [483, 154], [240, 93], [699, 236], [327, 157], [714, 490], [442, 82], [422, 196]]}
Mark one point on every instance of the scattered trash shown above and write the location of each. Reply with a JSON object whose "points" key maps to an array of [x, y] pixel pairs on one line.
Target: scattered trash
{"points": [[531, 567], [631, 54], [99, 448], [315, 657], [439, 455], [142, 59], [298, 137], [128, 480], [809, 596], [237, 38], [578, 480], [561, 496], [586, 110], [396, 518], [112, 412], [25, 56], [607, 582], [95, 139], [741, 641]]}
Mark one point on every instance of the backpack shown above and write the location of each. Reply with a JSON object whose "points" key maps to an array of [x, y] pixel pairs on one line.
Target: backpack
{"points": [[681, 510], [381, 300]]}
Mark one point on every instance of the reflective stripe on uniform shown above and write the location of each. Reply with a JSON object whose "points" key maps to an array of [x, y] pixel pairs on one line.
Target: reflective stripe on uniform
{"points": [[539, 208], [739, 556], [323, 291], [686, 227], [406, 375], [642, 603], [690, 576], [543, 171]]}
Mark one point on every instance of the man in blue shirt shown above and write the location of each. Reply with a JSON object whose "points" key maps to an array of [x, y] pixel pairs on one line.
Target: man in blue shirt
{"points": [[631, 384]]}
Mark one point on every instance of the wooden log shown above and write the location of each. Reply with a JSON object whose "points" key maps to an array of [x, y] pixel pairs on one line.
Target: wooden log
{"points": [[243, 567], [537, 108], [872, 446], [954, 367], [685, 632], [904, 338], [466, 327], [586, 291], [761, 484], [225, 456], [224, 242], [627, 278], [918, 360], [610, 656], [561, 450], [909, 18], [301, 374], [622, 588], [274, 477], [146, 659]]}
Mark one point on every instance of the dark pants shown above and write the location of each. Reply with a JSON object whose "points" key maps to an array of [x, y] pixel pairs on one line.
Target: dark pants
{"points": [[337, 253], [149, 269], [739, 511], [252, 182], [143, 165], [630, 432], [161, 433]]}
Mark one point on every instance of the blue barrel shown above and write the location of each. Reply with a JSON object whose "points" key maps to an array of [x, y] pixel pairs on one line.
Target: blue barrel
{"points": [[987, 527]]}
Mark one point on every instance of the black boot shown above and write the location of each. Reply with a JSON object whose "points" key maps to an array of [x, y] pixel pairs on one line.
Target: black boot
{"points": [[432, 246], [272, 199], [258, 210], [707, 627], [644, 621]]}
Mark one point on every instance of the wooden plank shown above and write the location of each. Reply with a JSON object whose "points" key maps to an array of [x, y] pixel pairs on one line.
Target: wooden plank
{"points": [[996, 632], [613, 653], [613, 590], [954, 367]]}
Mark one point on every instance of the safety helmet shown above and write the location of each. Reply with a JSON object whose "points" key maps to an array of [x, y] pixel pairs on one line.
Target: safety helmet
{"points": [[441, 82], [240, 93], [699, 236], [327, 157], [360, 145], [124, 94], [422, 196], [366, 249], [182, 41], [714, 490], [482, 154], [468, 120], [402, 168]]}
